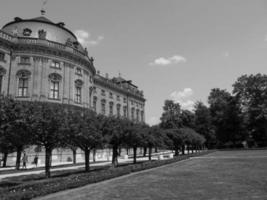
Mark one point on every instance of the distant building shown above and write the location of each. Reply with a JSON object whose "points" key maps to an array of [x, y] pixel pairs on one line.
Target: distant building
{"points": [[42, 60]]}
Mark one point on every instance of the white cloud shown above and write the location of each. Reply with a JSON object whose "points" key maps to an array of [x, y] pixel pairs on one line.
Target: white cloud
{"points": [[183, 98], [153, 121], [85, 38], [168, 61]]}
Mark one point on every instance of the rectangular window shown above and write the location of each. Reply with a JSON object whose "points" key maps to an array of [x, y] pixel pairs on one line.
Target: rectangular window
{"points": [[118, 110], [2, 56], [94, 105], [142, 116], [1, 79], [55, 64], [103, 108], [124, 100], [111, 95], [54, 90], [25, 59], [137, 115], [125, 111], [111, 108], [103, 93], [23, 87], [78, 95], [132, 114]]}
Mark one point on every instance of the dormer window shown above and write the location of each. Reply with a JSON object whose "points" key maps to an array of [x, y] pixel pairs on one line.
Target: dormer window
{"points": [[55, 64], [78, 71], [27, 32]]}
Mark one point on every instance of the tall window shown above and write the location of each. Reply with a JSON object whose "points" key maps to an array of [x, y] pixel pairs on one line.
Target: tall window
{"points": [[1, 79], [78, 94], [94, 103], [137, 115], [118, 110], [124, 111], [54, 89], [2, 56], [2, 73], [103, 93], [78, 91], [54, 79], [110, 108], [103, 106], [132, 113], [23, 82], [142, 116], [111, 95]]}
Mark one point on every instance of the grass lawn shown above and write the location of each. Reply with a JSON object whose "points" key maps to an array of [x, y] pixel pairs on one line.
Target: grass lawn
{"points": [[240, 175]]}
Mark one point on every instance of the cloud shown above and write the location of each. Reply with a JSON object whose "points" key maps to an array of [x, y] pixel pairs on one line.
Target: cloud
{"points": [[85, 38], [183, 98], [168, 61], [153, 121]]}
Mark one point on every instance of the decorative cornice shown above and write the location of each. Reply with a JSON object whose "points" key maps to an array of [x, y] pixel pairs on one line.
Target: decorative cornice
{"points": [[113, 86]]}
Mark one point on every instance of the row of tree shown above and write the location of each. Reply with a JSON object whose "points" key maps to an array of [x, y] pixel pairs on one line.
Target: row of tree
{"points": [[62, 126], [230, 120]]}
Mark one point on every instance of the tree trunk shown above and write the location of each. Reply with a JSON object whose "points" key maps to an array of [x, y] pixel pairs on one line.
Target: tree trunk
{"points": [[144, 152], [149, 153], [119, 154], [176, 151], [48, 160], [114, 156], [183, 149], [94, 155], [5, 159], [87, 159], [19, 150], [134, 156], [188, 149], [156, 149], [74, 155], [127, 151], [192, 149]]}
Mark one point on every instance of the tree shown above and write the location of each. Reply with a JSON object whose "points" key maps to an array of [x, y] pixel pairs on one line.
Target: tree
{"points": [[226, 118], [175, 141], [171, 116], [46, 120], [188, 119], [84, 132], [113, 130], [251, 92], [203, 124], [15, 126]]}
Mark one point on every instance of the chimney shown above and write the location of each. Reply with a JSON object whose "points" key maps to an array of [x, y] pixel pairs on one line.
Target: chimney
{"points": [[106, 75]]}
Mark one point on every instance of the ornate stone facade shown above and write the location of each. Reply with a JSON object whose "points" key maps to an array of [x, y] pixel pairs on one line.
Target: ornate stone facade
{"points": [[43, 61]]}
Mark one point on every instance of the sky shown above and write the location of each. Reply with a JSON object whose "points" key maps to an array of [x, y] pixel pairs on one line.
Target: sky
{"points": [[171, 49]]}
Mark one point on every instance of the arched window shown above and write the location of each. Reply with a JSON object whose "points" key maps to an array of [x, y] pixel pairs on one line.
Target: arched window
{"points": [[78, 91], [54, 79], [23, 82], [2, 73]]}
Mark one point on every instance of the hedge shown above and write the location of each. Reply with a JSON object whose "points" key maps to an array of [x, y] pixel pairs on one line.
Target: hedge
{"points": [[33, 189]]}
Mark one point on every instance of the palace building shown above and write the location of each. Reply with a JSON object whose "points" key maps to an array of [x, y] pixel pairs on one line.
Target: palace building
{"points": [[43, 61]]}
